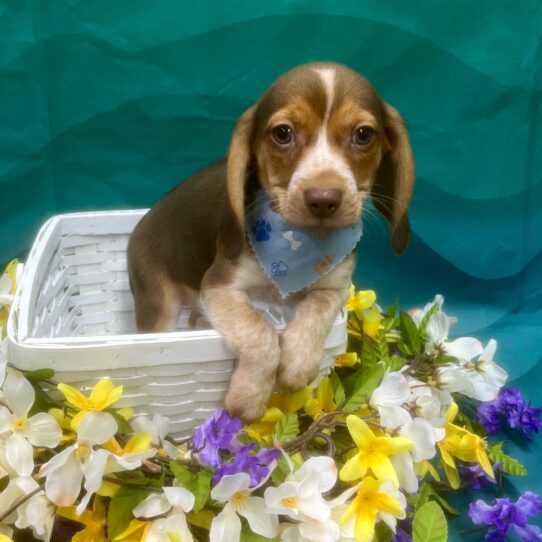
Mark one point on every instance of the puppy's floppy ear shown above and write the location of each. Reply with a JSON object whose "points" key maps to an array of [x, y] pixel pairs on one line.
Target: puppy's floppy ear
{"points": [[394, 180], [231, 234]]}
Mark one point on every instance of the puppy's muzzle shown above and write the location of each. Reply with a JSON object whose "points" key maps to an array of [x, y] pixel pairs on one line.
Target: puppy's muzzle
{"points": [[323, 202]]}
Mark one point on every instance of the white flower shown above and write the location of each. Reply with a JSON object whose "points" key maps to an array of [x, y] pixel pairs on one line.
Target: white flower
{"points": [[3, 360], [235, 491], [389, 399], [322, 531], [16, 489], [438, 328], [21, 431], [428, 402], [6, 298], [158, 429], [437, 331], [492, 374], [424, 437], [104, 461], [481, 379], [38, 514], [300, 495], [175, 500], [65, 471], [419, 314]]}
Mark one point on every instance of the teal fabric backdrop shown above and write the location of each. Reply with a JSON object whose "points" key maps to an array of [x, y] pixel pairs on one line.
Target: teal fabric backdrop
{"points": [[108, 104]]}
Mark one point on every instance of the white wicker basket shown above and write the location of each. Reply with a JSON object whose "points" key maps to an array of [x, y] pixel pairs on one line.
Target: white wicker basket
{"points": [[73, 312]]}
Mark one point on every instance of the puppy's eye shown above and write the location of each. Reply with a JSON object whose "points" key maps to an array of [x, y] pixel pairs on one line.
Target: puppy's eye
{"points": [[283, 134], [363, 135]]}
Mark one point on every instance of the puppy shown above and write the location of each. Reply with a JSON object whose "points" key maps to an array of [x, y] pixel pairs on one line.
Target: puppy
{"points": [[316, 145]]}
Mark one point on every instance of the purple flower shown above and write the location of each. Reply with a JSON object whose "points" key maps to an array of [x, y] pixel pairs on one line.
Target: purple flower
{"points": [[256, 465], [512, 407], [216, 433], [476, 477], [403, 532], [504, 515]]}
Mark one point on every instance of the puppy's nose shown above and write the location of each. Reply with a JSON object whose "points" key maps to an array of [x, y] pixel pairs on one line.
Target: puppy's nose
{"points": [[323, 203]]}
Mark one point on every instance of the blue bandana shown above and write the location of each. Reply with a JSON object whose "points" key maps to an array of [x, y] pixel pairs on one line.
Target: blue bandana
{"points": [[291, 256]]}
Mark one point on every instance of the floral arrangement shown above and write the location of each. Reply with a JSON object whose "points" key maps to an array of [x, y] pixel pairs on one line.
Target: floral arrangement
{"points": [[367, 454]]}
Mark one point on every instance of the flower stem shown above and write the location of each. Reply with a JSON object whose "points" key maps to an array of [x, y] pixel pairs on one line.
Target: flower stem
{"points": [[19, 502]]}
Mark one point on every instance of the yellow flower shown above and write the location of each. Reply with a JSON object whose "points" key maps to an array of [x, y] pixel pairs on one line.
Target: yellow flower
{"points": [[359, 301], [322, 401], [135, 532], [4, 538], [373, 498], [94, 520], [8, 285], [463, 445], [279, 405], [373, 453], [348, 359], [371, 322], [139, 443], [103, 395], [423, 467]]}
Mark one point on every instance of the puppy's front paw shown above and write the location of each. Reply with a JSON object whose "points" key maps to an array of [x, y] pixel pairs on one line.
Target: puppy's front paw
{"points": [[247, 398], [299, 363]]}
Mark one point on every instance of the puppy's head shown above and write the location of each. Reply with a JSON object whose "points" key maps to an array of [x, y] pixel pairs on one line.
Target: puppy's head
{"points": [[320, 141]]}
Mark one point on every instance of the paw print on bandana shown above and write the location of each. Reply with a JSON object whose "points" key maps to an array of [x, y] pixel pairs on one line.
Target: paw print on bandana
{"points": [[261, 230], [279, 269]]}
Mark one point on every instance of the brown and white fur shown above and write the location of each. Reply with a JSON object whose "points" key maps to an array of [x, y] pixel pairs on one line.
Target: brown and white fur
{"points": [[319, 142]]}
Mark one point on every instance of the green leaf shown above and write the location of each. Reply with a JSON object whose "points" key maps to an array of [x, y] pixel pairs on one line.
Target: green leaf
{"points": [[203, 488], [368, 357], [199, 484], [120, 514], [382, 532], [368, 380], [287, 427], [382, 348], [396, 362], [248, 536], [39, 375], [425, 320], [409, 332], [124, 427], [338, 389], [342, 440], [280, 471], [429, 524], [428, 492], [423, 495], [42, 402], [509, 464], [184, 475]]}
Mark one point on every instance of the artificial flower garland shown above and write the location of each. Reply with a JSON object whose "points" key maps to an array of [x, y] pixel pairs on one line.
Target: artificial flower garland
{"points": [[363, 456]]}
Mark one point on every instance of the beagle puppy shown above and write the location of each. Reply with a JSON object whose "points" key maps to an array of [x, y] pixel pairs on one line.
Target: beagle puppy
{"points": [[315, 146]]}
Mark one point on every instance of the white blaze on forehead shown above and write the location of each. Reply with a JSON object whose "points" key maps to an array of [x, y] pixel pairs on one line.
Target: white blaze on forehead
{"points": [[328, 78], [321, 157]]}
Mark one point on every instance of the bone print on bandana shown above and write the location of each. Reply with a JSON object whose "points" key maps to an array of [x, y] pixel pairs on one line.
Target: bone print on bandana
{"points": [[291, 256]]}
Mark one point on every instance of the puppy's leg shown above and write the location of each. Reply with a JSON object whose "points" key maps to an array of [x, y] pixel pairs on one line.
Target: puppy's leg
{"points": [[256, 342], [157, 305], [302, 342]]}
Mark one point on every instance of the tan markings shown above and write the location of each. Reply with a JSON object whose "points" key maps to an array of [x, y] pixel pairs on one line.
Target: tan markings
{"points": [[298, 112], [321, 266], [302, 342], [255, 340]]}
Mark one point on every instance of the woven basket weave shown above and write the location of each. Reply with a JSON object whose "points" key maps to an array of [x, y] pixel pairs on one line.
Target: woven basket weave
{"points": [[74, 313]]}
